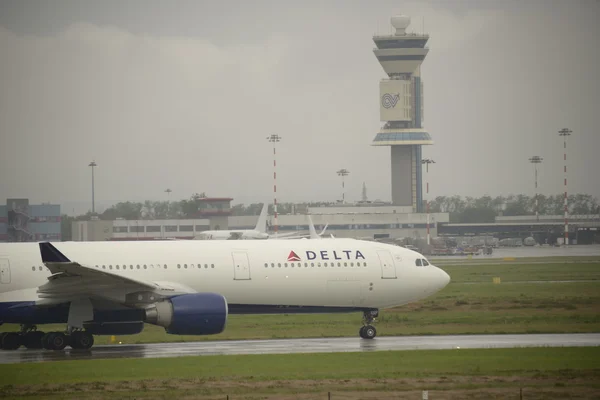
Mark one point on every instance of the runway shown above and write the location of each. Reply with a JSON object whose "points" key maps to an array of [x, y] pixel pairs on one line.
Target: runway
{"points": [[288, 346]]}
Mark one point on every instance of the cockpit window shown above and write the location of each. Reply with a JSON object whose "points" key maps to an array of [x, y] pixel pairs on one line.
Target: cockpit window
{"points": [[418, 262], [425, 263]]}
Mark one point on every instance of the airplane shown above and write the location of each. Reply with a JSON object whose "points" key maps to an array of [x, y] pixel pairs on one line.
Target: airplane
{"points": [[259, 231], [190, 287], [312, 232]]}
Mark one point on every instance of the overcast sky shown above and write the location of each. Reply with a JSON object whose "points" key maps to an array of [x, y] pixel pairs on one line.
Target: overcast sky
{"points": [[182, 95]]}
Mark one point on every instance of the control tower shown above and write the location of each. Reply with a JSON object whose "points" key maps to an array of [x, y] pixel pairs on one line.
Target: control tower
{"points": [[401, 109]]}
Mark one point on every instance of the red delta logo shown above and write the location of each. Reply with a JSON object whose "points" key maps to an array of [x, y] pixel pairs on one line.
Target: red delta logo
{"points": [[293, 257]]}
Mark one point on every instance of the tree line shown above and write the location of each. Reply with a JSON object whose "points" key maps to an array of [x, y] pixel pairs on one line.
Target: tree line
{"points": [[461, 209], [487, 208]]}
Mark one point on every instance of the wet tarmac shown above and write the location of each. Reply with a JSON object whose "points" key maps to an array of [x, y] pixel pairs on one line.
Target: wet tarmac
{"points": [[286, 346]]}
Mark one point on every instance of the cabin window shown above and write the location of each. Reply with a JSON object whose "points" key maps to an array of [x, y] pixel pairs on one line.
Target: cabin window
{"points": [[305, 265], [358, 264], [165, 266], [272, 265], [279, 265], [352, 264], [324, 264], [266, 265], [104, 267], [339, 264], [345, 264], [145, 266], [285, 265], [364, 264], [418, 262], [212, 265], [185, 266], [33, 268], [110, 267], [205, 265], [292, 265], [138, 266]]}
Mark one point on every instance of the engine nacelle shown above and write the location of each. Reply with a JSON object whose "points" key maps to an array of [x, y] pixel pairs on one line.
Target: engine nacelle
{"points": [[190, 314]]}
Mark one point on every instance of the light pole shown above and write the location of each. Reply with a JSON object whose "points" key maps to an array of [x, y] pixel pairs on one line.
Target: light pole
{"points": [[535, 160], [427, 161], [93, 164], [275, 138], [564, 133], [343, 173], [168, 192]]}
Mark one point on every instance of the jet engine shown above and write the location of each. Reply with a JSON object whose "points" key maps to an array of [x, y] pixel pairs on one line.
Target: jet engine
{"points": [[190, 314]]}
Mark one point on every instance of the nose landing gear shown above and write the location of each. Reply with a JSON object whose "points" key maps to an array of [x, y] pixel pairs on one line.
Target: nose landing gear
{"points": [[368, 331]]}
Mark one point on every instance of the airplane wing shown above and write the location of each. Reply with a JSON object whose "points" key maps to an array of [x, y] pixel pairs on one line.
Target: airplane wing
{"points": [[70, 280]]}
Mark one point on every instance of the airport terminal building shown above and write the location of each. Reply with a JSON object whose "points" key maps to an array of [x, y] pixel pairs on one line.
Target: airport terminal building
{"points": [[352, 221], [24, 222]]}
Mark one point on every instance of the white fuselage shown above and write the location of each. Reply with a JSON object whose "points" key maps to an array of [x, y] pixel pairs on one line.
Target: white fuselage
{"points": [[335, 272]]}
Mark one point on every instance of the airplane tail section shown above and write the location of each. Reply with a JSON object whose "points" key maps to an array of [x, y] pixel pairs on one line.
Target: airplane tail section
{"points": [[324, 229], [261, 225], [311, 229], [50, 254]]}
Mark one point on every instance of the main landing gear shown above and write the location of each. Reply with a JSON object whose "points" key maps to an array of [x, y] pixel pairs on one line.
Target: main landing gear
{"points": [[31, 338], [368, 331]]}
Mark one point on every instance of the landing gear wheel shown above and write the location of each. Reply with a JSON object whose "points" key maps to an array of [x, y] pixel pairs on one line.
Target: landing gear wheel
{"points": [[57, 341], [46, 340], [11, 341], [33, 339], [82, 340], [368, 332]]}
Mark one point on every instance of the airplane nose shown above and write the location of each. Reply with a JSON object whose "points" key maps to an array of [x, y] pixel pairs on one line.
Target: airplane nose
{"points": [[446, 277], [443, 278]]}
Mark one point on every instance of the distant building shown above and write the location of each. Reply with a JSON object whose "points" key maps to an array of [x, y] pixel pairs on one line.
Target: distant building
{"points": [[23, 222], [121, 229], [401, 109], [364, 221], [213, 214]]}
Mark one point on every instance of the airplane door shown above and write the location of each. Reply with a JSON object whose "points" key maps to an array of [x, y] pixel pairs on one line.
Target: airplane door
{"points": [[388, 269], [241, 265], [4, 270]]}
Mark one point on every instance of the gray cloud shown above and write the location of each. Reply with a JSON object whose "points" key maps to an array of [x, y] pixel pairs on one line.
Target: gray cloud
{"points": [[183, 96]]}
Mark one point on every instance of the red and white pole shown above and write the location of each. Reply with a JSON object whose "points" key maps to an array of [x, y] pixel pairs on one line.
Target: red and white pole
{"points": [[427, 203], [564, 133], [276, 228], [427, 161], [275, 138]]}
